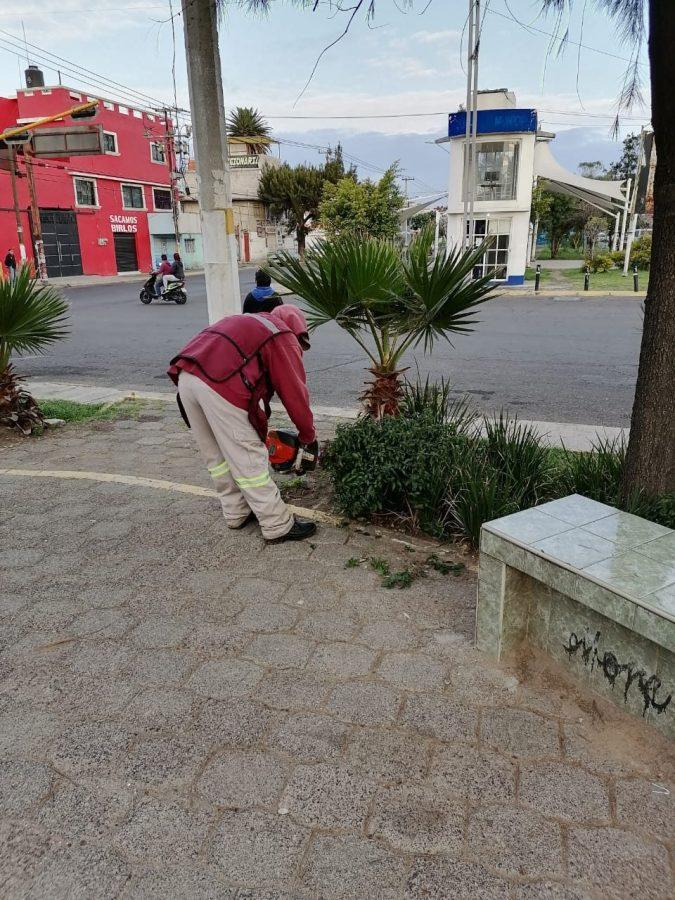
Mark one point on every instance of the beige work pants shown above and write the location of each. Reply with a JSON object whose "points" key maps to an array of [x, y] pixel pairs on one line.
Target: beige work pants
{"points": [[235, 457]]}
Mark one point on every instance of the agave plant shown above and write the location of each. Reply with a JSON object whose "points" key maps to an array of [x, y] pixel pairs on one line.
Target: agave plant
{"points": [[388, 299], [249, 125], [32, 316]]}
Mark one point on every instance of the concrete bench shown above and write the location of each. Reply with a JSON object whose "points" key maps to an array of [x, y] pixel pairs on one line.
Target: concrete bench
{"points": [[593, 587]]}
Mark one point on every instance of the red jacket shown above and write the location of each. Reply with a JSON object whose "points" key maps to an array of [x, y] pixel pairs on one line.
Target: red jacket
{"points": [[246, 359]]}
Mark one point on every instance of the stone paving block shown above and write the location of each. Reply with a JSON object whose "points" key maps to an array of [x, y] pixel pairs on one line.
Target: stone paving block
{"points": [[236, 722], [413, 672], [261, 615], [342, 660], [111, 623], [22, 785], [480, 776], [93, 749], [520, 733], [158, 709], [280, 651], [387, 635], [346, 867], [243, 778], [91, 872], [329, 796], [221, 679], [102, 658], [440, 717], [564, 792], [516, 841], [439, 878], [619, 864], [417, 819], [293, 690], [163, 761], [27, 730], [257, 590], [646, 805], [162, 833], [22, 848], [329, 625], [255, 848], [159, 634], [216, 640], [74, 814], [391, 754], [178, 884], [583, 746], [310, 738], [364, 703], [551, 890]]}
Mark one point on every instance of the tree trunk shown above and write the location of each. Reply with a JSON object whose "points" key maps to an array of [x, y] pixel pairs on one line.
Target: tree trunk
{"points": [[301, 234], [650, 463]]}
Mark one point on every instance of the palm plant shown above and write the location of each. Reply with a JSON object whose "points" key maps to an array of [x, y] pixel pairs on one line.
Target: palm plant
{"points": [[388, 299], [32, 316], [248, 124]]}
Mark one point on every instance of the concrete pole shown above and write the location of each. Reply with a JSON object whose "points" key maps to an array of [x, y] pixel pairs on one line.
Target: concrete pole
{"points": [[437, 232], [473, 168], [624, 215], [615, 235], [629, 242], [467, 131], [200, 22], [17, 208]]}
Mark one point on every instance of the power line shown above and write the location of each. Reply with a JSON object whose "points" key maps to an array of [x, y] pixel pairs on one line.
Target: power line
{"points": [[431, 113]]}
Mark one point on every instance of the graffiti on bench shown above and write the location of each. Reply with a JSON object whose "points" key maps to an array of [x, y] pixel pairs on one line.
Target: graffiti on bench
{"points": [[611, 668]]}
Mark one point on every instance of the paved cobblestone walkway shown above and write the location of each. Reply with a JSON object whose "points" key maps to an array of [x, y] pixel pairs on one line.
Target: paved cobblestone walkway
{"points": [[188, 713]]}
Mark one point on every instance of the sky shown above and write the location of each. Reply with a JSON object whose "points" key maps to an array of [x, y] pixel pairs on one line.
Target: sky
{"points": [[406, 67]]}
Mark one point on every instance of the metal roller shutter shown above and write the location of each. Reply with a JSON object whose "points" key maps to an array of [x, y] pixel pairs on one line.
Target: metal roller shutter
{"points": [[125, 253]]}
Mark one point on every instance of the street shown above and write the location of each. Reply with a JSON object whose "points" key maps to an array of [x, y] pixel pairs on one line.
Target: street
{"points": [[559, 360]]}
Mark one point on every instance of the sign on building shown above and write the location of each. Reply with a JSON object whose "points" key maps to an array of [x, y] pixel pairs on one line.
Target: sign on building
{"points": [[243, 162], [70, 140], [124, 224]]}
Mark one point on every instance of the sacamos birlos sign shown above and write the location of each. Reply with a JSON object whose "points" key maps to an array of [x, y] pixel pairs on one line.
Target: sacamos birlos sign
{"points": [[128, 224]]}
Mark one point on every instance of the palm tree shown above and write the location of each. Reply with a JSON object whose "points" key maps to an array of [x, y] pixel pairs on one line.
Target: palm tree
{"points": [[248, 123], [387, 298], [32, 316]]}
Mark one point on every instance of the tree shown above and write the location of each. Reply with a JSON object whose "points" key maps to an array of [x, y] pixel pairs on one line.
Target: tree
{"points": [[593, 169], [625, 167], [594, 227], [247, 122], [388, 298], [559, 215], [296, 193], [32, 316], [351, 208]]}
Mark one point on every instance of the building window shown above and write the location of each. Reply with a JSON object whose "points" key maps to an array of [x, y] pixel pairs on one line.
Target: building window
{"points": [[189, 245], [157, 153], [132, 196], [496, 258], [162, 198], [110, 142], [85, 192], [496, 170]]}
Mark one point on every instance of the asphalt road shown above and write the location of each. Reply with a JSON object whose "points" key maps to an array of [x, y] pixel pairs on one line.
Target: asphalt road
{"points": [[562, 360]]}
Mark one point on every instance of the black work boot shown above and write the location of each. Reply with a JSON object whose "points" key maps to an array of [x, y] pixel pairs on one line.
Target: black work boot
{"points": [[300, 530], [251, 517]]}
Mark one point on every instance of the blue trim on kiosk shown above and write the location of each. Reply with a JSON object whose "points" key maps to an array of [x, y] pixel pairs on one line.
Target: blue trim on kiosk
{"points": [[495, 121]]}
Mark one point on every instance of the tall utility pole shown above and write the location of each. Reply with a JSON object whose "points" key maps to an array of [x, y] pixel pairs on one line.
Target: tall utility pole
{"points": [[171, 160], [200, 24], [407, 179], [471, 130], [17, 208], [35, 219]]}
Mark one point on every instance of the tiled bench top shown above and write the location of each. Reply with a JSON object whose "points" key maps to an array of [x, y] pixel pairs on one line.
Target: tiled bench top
{"points": [[630, 559]]}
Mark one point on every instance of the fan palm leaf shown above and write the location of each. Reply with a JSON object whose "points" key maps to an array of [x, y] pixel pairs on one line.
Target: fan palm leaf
{"points": [[249, 124], [32, 316]]}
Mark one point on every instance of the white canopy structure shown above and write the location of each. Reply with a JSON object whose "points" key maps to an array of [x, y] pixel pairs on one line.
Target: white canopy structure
{"points": [[610, 196]]}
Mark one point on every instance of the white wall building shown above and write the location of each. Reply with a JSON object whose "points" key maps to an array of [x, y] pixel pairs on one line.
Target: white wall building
{"points": [[510, 156]]}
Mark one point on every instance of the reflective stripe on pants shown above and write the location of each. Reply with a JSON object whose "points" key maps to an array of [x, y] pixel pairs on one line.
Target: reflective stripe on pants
{"points": [[235, 457]]}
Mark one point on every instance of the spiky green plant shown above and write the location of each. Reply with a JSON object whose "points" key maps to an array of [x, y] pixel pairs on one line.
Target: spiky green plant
{"points": [[32, 316], [388, 299], [249, 124]]}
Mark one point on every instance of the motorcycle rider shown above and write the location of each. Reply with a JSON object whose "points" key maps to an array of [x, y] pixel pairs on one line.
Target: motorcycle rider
{"points": [[176, 271], [161, 273]]}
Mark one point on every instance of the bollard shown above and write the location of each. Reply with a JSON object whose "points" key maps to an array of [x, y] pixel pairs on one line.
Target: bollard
{"points": [[537, 277], [635, 279], [587, 278]]}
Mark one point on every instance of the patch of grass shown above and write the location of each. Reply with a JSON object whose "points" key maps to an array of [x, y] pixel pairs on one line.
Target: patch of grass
{"points": [[70, 411], [353, 563], [531, 272], [565, 252], [443, 567], [613, 280], [291, 486], [381, 566], [402, 579]]}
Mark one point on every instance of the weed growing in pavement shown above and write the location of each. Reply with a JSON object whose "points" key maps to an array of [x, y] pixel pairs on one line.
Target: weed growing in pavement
{"points": [[401, 579], [291, 485], [443, 567], [353, 563], [381, 566]]}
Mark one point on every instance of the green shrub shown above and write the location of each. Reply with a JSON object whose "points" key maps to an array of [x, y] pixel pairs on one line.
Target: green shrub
{"points": [[432, 400], [596, 473], [641, 251], [601, 262], [617, 258]]}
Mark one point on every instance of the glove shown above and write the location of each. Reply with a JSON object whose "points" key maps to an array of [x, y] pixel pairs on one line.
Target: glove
{"points": [[307, 457]]}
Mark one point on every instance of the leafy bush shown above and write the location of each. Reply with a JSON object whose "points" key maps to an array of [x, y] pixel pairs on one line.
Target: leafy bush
{"points": [[601, 262], [617, 258], [641, 251], [432, 400], [595, 474]]}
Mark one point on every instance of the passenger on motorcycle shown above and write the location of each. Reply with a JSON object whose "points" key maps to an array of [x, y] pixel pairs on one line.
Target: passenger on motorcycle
{"points": [[176, 271]]}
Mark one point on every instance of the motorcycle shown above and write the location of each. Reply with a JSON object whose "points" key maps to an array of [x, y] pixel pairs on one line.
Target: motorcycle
{"points": [[173, 293]]}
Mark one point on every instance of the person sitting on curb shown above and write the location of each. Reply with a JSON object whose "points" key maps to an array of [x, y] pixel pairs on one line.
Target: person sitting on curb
{"points": [[223, 376], [263, 298]]}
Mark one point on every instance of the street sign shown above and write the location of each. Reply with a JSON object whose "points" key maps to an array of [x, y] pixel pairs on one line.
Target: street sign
{"points": [[243, 162], [68, 140]]}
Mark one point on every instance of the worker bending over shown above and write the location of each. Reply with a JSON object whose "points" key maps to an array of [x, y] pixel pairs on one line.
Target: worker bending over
{"points": [[226, 376]]}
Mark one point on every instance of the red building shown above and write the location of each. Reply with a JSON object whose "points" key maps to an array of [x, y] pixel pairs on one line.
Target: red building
{"points": [[93, 209]]}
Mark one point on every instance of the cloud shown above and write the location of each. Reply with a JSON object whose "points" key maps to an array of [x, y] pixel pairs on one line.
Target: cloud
{"points": [[435, 37]]}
